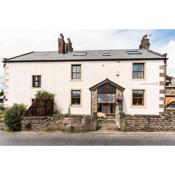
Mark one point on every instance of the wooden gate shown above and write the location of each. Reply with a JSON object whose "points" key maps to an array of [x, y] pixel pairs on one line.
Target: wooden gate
{"points": [[40, 108]]}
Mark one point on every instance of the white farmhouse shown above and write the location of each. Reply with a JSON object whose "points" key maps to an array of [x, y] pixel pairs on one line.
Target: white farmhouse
{"points": [[90, 81]]}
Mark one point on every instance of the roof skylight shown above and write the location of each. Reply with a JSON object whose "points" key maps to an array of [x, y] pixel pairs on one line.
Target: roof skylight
{"points": [[80, 53], [106, 54], [134, 52]]}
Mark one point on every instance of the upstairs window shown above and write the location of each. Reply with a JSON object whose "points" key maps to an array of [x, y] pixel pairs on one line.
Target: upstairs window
{"points": [[76, 71], [138, 71], [75, 97], [36, 81], [138, 97]]}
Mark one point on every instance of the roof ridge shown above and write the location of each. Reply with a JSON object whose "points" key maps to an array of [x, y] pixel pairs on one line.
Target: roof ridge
{"points": [[91, 50]]}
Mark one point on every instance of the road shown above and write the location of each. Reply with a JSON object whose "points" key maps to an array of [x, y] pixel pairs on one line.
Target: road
{"points": [[86, 139]]}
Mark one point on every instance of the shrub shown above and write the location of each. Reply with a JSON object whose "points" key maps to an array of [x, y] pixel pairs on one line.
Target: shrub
{"points": [[2, 114], [13, 117], [2, 107], [44, 95]]}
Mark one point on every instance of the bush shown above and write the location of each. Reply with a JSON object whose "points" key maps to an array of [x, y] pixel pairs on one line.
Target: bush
{"points": [[2, 114], [44, 95], [13, 117], [2, 107]]}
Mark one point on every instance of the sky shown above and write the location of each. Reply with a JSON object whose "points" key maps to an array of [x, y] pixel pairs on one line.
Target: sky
{"points": [[94, 24], [20, 41]]}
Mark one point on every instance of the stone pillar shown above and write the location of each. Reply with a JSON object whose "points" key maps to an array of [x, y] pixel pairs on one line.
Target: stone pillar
{"points": [[94, 101], [122, 122]]}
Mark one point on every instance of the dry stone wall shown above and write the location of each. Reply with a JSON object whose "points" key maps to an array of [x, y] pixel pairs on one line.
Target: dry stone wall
{"points": [[165, 122], [77, 123]]}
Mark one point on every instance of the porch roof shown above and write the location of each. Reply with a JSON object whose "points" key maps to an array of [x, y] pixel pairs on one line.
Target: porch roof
{"points": [[109, 82]]}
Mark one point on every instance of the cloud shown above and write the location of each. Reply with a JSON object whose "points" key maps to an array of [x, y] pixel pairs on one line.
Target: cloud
{"points": [[170, 49]]}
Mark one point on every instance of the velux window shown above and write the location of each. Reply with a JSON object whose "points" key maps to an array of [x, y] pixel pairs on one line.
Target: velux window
{"points": [[75, 97], [76, 71], [138, 71], [36, 81], [138, 97]]}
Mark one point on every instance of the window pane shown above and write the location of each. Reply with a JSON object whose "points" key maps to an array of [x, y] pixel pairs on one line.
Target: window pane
{"points": [[74, 75], [78, 69], [135, 75], [138, 67], [77, 93], [140, 101], [135, 93], [78, 76], [101, 98], [134, 101], [78, 101], [73, 101], [111, 98], [73, 68], [138, 75], [36, 84], [140, 93]]}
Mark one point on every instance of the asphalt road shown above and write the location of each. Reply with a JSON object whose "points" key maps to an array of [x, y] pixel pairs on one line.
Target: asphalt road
{"points": [[86, 139]]}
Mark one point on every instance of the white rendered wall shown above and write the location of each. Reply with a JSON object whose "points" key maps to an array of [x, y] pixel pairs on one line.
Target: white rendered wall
{"points": [[56, 78]]}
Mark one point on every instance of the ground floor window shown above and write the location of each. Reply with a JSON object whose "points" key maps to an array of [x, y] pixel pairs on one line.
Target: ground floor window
{"points": [[138, 97], [75, 97]]}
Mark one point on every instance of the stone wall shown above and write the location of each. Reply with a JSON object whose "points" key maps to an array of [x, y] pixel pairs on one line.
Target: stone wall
{"points": [[2, 124], [73, 123], [165, 122]]}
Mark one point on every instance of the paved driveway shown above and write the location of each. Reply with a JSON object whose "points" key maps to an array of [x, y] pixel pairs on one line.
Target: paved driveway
{"points": [[91, 138]]}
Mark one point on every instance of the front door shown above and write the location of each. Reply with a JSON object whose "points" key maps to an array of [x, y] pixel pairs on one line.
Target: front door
{"points": [[108, 109], [106, 103]]}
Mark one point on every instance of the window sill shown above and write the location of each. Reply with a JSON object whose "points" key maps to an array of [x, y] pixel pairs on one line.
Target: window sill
{"points": [[75, 79], [36, 87], [138, 79], [137, 106], [75, 105]]}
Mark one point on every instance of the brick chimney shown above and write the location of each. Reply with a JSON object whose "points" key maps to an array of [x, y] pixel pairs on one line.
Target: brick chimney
{"points": [[69, 45], [144, 42], [61, 44]]}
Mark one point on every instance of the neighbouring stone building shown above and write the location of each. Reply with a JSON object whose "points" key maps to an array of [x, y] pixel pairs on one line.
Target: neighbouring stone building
{"points": [[170, 93]]}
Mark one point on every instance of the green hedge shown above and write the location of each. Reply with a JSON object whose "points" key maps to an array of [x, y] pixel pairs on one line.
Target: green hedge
{"points": [[13, 117]]}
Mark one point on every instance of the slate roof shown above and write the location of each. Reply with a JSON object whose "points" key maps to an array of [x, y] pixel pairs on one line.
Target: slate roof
{"points": [[88, 55]]}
